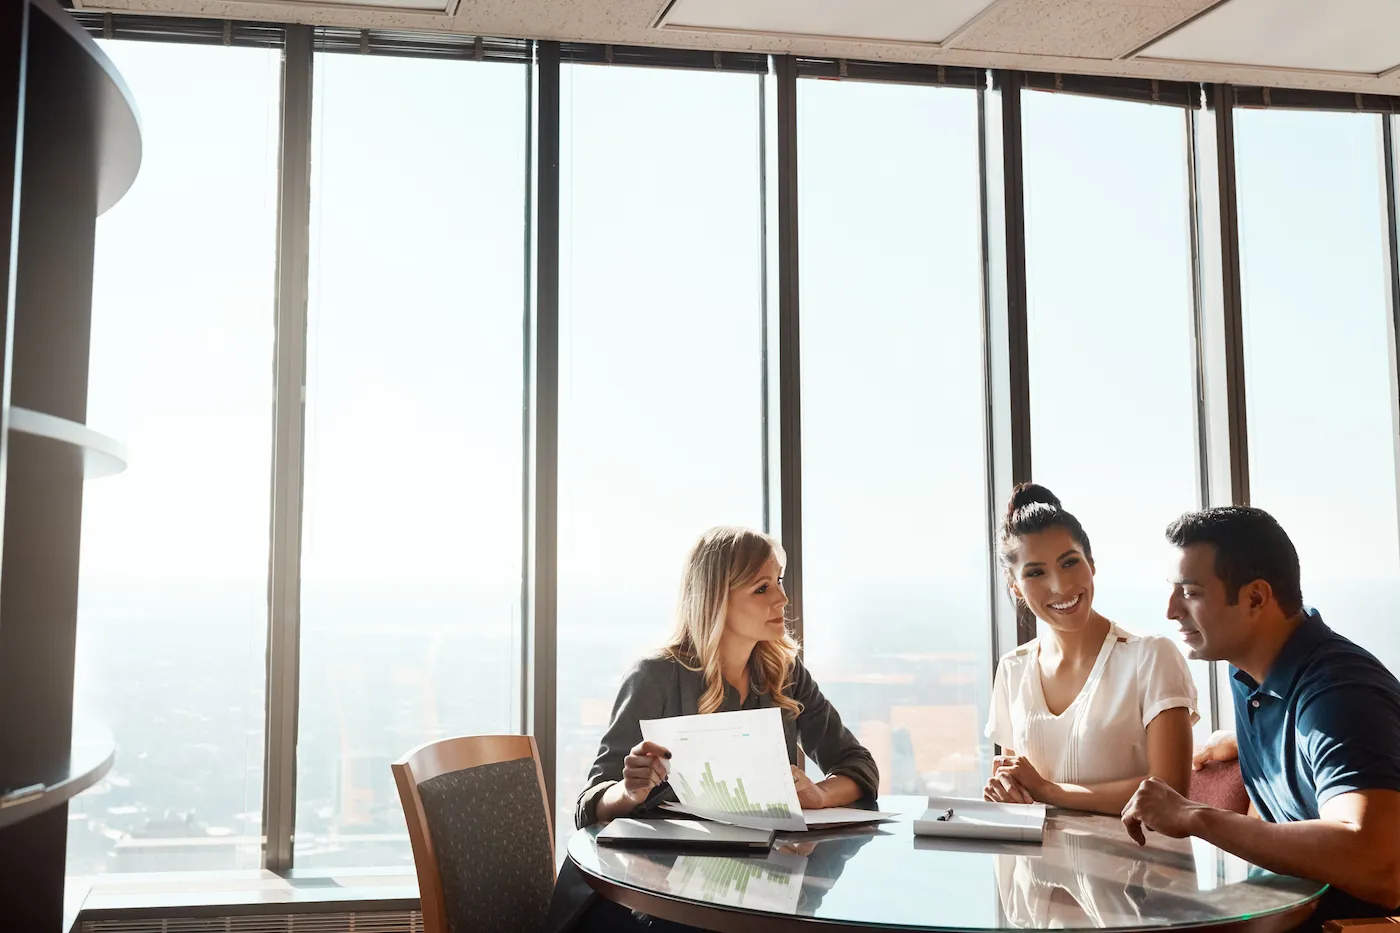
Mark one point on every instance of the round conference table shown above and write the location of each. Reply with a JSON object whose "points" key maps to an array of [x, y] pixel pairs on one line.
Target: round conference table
{"points": [[1087, 874]]}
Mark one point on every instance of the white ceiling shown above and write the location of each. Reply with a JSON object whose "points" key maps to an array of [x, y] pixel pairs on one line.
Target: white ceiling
{"points": [[1351, 45]]}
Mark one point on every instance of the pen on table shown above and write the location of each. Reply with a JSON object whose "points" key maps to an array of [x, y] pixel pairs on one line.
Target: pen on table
{"points": [[947, 815]]}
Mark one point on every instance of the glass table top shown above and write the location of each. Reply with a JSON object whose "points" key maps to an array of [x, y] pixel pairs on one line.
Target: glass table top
{"points": [[1087, 874]]}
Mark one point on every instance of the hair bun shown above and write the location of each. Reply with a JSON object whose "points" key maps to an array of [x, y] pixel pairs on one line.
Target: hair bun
{"points": [[1031, 494]]}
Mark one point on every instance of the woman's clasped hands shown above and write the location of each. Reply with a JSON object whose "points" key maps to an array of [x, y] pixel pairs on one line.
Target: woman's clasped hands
{"points": [[1014, 780]]}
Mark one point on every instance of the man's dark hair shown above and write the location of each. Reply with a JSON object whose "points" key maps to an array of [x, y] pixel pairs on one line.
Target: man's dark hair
{"points": [[1249, 545]]}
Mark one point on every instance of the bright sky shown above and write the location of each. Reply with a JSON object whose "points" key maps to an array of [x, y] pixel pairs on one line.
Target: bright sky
{"points": [[890, 293]]}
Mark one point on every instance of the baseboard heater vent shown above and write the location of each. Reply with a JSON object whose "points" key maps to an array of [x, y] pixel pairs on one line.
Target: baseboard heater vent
{"points": [[365, 921]]}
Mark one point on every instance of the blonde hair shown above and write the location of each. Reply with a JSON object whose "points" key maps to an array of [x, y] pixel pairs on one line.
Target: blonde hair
{"points": [[724, 559]]}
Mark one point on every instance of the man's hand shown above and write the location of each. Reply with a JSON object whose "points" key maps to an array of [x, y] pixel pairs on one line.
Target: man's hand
{"points": [[810, 795], [1020, 770], [1221, 746], [1157, 807]]}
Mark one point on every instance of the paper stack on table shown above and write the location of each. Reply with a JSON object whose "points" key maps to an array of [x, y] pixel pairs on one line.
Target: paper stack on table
{"points": [[684, 834], [965, 818], [733, 768]]}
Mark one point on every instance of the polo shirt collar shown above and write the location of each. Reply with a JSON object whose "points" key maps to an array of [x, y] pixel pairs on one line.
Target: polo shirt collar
{"points": [[1311, 631]]}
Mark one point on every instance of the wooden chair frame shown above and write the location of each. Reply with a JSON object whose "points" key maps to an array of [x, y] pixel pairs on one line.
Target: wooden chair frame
{"points": [[445, 756]]}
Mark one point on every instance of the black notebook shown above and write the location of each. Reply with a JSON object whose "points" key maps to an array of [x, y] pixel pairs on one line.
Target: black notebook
{"points": [[684, 834]]}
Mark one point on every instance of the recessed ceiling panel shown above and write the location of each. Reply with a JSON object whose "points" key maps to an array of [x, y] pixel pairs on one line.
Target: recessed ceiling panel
{"points": [[1074, 28], [405, 6], [925, 22], [1355, 36]]}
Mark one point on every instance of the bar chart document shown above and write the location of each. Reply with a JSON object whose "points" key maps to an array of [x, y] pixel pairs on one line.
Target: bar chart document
{"points": [[731, 767]]}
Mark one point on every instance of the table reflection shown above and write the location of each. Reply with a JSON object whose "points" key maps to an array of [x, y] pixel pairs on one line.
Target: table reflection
{"points": [[1084, 875], [1087, 874], [792, 878], [773, 884]]}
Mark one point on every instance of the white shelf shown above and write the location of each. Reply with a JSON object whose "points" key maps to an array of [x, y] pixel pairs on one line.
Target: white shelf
{"points": [[118, 123], [93, 750], [102, 456]]}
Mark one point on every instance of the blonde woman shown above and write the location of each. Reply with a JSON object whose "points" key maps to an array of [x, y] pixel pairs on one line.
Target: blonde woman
{"points": [[730, 650]]}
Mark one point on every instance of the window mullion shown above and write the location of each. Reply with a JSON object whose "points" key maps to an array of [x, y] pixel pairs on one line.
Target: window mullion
{"points": [[289, 406]]}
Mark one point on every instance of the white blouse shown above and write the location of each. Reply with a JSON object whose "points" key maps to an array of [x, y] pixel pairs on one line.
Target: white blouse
{"points": [[1102, 735]]}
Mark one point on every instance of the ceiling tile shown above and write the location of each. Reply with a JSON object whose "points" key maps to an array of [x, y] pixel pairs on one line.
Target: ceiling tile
{"points": [[1075, 28], [1358, 36], [886, 20], [405, 6]]}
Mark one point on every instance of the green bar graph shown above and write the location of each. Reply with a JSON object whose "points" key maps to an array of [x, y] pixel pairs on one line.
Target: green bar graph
{"points": [[718, 877], [715, 795]]}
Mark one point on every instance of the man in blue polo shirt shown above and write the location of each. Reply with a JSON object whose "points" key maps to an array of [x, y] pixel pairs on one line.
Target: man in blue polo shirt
{"points": [[1317, 720]]}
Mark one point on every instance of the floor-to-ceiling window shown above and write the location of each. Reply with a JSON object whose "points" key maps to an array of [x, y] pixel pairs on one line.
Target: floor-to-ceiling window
{"points": [[173, 590], [895, 607], [1112, 358], [660, 364], [1319, 366], [418, 365], [411, 560]]}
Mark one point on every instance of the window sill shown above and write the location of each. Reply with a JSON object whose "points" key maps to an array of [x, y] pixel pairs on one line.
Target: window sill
{"points": [[204, 894]]}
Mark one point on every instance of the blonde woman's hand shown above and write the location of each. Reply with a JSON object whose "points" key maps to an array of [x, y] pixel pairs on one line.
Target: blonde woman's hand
{"points": [[643, 769], [809, 794]]}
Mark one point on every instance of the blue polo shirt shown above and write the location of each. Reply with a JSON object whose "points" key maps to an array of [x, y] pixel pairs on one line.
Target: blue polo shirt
{"points": [[1325, 721]]}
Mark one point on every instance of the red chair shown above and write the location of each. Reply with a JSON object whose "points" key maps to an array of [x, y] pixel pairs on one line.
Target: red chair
{"points": [[1219, 784]]}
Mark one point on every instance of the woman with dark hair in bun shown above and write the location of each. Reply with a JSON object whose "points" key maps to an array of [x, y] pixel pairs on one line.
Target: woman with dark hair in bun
{"points": [[1088, 710]]}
